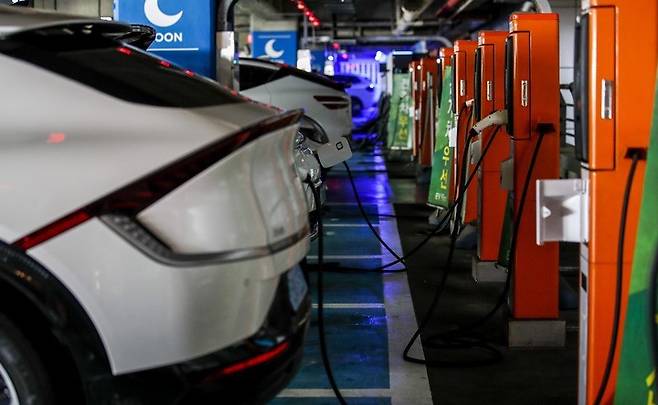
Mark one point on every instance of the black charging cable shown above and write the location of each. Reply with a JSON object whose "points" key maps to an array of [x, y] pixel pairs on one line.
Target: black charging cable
{"points": [[454, 339], [636, 155], [364, 214], [441, 225], [457, 334], [324, 352], [502, 298]]}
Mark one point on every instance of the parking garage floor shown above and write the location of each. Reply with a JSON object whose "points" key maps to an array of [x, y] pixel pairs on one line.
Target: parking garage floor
{"points": [[367, 314], [370, 316]]}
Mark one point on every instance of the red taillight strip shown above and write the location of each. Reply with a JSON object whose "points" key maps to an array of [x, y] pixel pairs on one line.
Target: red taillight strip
{"points": [[276, 351], [136, 196], [52, 230]]}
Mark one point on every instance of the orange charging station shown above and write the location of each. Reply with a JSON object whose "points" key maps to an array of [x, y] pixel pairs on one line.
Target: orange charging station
{"points": [[414, 68], [618, 54], [490, 97], [463, 65], [445, 60], [428, 81], [533, 102]]}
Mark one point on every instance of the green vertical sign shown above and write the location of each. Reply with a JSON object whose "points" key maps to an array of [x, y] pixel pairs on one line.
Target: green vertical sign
{"points": [[636, 375], [399, 124], [443, 153]]}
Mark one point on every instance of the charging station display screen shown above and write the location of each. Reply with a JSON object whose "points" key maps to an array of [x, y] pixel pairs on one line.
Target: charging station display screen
{"points": [[453, 58], [581, 84], [477, 107], [439, 84], [509, 84]]}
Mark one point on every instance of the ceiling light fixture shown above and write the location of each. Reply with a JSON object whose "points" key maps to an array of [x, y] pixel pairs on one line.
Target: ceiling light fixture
{"points": [[307, 12]]}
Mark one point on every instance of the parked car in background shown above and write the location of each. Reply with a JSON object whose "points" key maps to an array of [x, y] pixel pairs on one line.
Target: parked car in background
{"points": [[363, 92], [151, 229], [327, 121]]}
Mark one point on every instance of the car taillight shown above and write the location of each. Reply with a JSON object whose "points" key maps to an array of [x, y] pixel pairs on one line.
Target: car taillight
{"points": [[251, 362], [333, 102], [129, 200]]}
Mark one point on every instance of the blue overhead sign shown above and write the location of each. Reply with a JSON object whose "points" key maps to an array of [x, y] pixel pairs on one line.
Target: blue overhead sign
{"points": [[277, 46], [185, 30]]}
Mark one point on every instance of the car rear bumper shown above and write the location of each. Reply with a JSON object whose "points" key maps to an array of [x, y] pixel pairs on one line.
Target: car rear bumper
{"points": [[252, 371]]}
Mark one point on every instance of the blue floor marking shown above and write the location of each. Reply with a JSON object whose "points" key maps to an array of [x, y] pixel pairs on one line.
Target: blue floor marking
{"points": [[358, 345], [355, 288], [357, 337]]}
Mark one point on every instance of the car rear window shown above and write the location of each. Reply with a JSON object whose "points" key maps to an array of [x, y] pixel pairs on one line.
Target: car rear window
{"points": [[114, 68]]}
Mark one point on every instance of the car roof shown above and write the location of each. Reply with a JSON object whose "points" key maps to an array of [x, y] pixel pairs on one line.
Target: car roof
{"points": [[18, 19]]}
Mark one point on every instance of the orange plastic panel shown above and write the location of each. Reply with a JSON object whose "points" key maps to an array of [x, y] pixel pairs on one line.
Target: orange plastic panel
{"points": [[428, 98], [623, 39], [464, 71], [536, 91], [492, 198]]}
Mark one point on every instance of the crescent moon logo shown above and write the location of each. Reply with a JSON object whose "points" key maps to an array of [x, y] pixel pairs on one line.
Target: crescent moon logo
{"points": [[270, 51], [158, 17]]}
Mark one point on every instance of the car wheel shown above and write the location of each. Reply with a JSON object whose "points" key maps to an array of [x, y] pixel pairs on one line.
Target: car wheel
{"points": [[357, 107], [23, 380]]}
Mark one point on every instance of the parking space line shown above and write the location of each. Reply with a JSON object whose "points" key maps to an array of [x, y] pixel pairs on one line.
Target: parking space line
{"points": [[354, 305], [346, 257], [330, 225], [328, 393]]}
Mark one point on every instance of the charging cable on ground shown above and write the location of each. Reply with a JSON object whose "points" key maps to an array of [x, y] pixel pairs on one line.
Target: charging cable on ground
{"points": [[636, 155], [324, 352], [451, 339]]}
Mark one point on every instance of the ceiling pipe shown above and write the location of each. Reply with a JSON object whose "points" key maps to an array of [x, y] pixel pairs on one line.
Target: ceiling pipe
{"points": [[410, 12], [392, 39]]}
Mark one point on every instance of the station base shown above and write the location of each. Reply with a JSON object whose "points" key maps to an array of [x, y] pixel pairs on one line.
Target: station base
{"points": [[487, 272], [536, 333]]}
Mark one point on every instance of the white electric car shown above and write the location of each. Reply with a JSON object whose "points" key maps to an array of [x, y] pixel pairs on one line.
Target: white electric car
{"points": [[363, 92], [151, 227], [327, 120]]}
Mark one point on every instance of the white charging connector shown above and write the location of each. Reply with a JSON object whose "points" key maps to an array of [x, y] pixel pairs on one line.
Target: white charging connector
{"points": [[495, 118]]}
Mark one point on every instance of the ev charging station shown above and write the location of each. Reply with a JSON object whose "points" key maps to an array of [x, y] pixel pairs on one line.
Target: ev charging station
{"points": [[616, 93], [424, 73], [533, 105], [489, 98], [463, 62], [428, 99], [614, 98]]}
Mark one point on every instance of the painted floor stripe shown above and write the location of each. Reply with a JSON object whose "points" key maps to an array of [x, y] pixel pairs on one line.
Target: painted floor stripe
{"points": [[346, 257], [328, 393], [330, 225], [349, 203], [334, 305]]}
